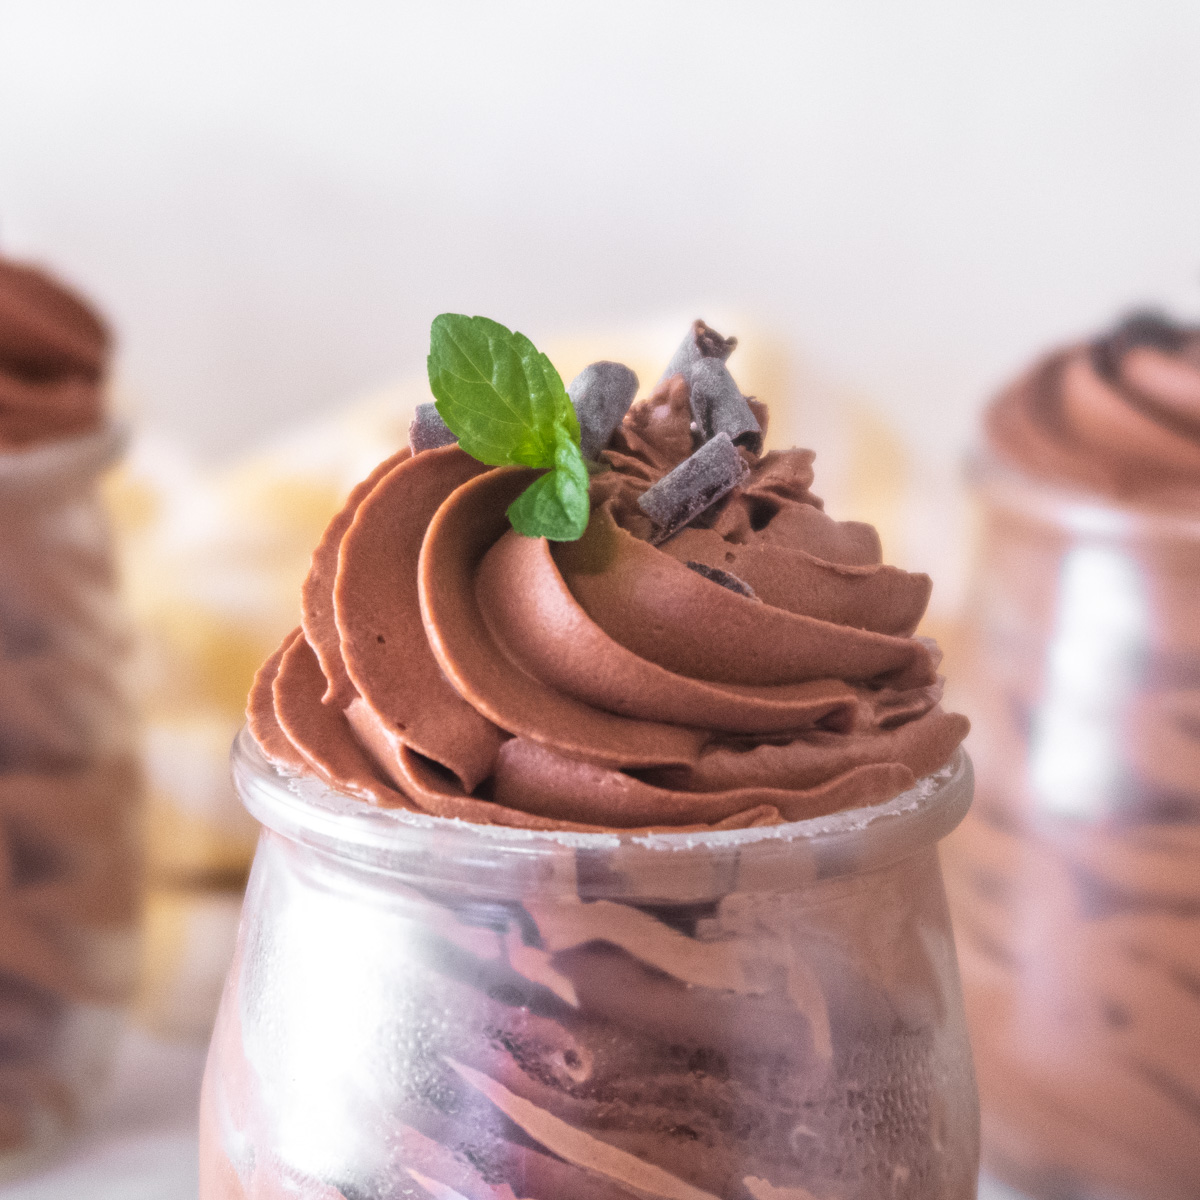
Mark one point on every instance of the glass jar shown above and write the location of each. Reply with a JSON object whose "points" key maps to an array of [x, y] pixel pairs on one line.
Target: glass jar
{"points": [[425, 1008], [1075, 882], [70, 796]]}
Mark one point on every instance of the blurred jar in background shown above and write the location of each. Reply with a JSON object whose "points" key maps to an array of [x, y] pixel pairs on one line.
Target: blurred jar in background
{"points": [[1075, 882], [70, 792]]}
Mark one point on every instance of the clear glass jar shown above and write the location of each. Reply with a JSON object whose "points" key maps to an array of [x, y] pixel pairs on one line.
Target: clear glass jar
{"points": [[1075, 882], [430, 1009], [70, 793]]}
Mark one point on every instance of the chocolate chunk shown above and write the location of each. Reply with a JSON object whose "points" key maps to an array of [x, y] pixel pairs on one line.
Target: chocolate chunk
{"points": [[602, 393], [711, 473], [428, 431], [725, 578], [1145, 327], [701, 343], [718, 406]]}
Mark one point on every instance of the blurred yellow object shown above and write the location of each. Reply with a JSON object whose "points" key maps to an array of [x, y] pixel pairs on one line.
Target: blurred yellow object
{"points": [[877, 476], [197, 832], [213, 561], [876, 485], [189, 940]]}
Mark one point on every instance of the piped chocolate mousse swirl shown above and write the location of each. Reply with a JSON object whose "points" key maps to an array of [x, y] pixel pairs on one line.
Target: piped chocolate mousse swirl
{"points": [[1119, 415], [713, 652], [54, 353]]}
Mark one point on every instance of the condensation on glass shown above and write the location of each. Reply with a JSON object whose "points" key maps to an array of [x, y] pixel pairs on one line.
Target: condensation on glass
{"points": [[1075, 882], [70, 793], [429, 1009]]}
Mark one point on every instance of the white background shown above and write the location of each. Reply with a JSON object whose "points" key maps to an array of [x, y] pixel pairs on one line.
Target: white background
{"points": [[272, 197]]}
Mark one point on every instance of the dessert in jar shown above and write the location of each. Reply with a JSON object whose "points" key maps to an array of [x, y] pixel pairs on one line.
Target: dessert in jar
{"points": [[69, 792], [601, 789], [1075, 883]]}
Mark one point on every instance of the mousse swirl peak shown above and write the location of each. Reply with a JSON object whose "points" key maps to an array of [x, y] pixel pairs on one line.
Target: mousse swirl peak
{"points": [[742, 660]]}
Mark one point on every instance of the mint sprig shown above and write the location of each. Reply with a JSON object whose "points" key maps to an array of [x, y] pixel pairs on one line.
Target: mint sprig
{"points": [[506, 403]]}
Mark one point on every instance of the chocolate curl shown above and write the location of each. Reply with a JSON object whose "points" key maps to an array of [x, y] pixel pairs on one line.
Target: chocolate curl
{"points": [[1145, 327], [718, 406], [727, 579], [428, 431], [711, 473], [701, 343], [601, 393]]}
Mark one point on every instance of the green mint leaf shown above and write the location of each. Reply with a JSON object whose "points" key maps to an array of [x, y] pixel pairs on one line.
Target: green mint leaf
{"points": [[506, 403], [556, 505], [502, 397]]}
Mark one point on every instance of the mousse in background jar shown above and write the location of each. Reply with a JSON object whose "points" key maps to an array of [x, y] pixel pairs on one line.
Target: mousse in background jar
{"points": [[1075, 882], [70, 793]]}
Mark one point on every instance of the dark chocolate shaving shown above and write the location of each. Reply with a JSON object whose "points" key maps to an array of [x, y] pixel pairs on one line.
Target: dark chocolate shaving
{"points": [[601, 393], [680, 496], [428, 431], [701, 343], [725, 578], [1145, 327], [718, 406]]}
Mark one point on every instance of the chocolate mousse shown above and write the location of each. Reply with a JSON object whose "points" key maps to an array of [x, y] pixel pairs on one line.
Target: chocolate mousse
{"points": [[1076, 880], [713, 652], [709, 654], [69, 851]]}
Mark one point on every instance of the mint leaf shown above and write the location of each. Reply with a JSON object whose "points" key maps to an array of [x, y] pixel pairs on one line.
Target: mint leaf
{"points": [[556, 505], [497, 392], [507, 405]]}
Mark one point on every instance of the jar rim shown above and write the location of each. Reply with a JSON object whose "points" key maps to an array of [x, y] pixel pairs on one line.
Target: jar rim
{"points": [[1074, 508], [304, 809], [43, 469]]}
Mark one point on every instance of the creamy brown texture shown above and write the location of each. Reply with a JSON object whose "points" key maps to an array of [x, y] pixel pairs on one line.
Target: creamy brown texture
{"points": [[747, 1021], [1119, 416], [448, 664], [53, 359]]}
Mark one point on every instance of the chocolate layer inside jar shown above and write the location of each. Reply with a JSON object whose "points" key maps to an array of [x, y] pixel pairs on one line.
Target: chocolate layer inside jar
{"points": [[739, 1045]]}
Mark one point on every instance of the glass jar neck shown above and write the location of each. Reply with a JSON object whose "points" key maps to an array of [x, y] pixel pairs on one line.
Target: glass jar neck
{"points": [[1074, 510], [503, 862], [59, 470]]}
